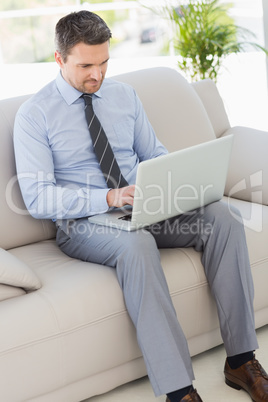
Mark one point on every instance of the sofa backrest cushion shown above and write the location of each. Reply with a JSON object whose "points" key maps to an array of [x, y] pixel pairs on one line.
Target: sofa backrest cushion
{"points": [[213, 103], [172, 106], [17, 226]]}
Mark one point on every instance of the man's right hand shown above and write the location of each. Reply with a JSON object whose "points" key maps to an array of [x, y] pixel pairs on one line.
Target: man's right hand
{"points": [[119, 197]]}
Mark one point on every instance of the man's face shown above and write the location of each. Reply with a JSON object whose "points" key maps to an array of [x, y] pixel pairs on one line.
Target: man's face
{"points": [[85, 67]]}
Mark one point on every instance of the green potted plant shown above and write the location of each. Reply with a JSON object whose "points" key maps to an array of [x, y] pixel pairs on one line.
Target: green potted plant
{"points": [[203, 34]]}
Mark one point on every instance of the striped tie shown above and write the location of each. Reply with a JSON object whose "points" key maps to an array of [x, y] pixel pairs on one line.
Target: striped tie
{"points": [[102, 147]]}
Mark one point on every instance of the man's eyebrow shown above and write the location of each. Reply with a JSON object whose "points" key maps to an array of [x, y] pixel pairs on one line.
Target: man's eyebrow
{"points": [[92, 64], [85, 64]]}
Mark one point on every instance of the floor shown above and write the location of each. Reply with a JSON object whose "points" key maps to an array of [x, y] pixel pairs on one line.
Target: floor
{"points": [[209, 381]]}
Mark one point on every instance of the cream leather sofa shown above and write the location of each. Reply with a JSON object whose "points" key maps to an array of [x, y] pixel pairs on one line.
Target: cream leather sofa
{"points": [[65, 334]]}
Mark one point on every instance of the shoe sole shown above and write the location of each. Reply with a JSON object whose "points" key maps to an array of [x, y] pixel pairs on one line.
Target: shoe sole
{"points": [[235, 386]]}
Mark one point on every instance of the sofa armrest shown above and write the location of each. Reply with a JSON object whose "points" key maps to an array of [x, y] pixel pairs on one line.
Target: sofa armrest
{"points": [[247, 177]]}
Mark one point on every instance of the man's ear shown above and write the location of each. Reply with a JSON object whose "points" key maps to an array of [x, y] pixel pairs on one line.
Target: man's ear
{"points": [[58, 59]]}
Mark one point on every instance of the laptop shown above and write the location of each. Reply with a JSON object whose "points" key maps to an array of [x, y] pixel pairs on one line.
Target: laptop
{"points": [[173, 184]]}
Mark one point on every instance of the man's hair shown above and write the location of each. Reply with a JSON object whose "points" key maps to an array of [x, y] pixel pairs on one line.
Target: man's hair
{"points": [[83, 26]]}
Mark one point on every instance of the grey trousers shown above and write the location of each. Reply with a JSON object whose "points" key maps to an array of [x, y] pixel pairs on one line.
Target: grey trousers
{"points": [[213, 230]]}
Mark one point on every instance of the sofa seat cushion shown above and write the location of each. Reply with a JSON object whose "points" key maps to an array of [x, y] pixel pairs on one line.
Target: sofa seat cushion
{"points": [[81, 293]]}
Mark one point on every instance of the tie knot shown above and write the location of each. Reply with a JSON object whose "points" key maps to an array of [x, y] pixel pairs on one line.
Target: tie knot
{"points": [[87, 99]]}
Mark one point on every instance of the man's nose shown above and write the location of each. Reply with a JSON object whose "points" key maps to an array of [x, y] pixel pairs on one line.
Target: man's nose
{"points": [[96, 73]]}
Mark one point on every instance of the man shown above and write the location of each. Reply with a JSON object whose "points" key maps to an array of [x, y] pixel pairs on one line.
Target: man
{"points": [[61, 178]]}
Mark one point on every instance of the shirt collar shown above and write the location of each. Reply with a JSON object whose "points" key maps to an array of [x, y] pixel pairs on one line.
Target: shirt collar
{"points": [[69, 93]]}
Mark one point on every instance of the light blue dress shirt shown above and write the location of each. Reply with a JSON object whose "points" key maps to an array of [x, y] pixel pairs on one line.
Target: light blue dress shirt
{"points": [[57, 169]]}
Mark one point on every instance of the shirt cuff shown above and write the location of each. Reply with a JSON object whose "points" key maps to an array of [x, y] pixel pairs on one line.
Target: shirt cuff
{"points": [[98, 203]]}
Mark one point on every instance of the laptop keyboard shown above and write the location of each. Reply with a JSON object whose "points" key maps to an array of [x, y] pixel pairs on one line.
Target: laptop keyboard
{"points": [[126, 217]]}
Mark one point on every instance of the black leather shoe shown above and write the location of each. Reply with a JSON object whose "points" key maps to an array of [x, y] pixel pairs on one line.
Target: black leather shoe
{"points": [[251, 377], [191, 397]]}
